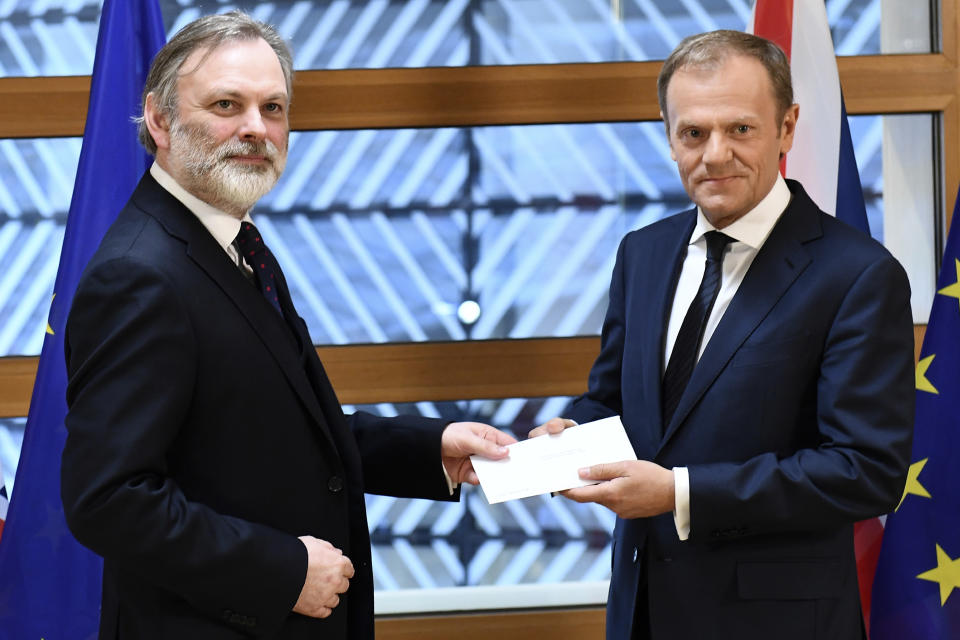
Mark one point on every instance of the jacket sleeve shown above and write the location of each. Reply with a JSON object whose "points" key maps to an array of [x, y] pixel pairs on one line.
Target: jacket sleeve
{"points": [[861, 412], [131, 362], [401, 456]]}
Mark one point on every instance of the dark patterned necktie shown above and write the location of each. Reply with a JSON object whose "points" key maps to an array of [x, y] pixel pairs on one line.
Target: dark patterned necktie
{"points": [[683, 358], [251, 247]]}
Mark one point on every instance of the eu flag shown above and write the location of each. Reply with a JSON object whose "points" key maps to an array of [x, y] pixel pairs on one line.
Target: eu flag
{"points": [[916, 593], [49, 584]]}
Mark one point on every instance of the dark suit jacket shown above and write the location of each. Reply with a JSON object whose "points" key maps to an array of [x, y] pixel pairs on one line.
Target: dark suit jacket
{"points": [[204, 436], [796, 423]]}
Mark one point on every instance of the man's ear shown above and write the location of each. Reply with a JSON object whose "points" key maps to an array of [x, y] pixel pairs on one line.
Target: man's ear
{"points": [[788, 127], [158, 124]]}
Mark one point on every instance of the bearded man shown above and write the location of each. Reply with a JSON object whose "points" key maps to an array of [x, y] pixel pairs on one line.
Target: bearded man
{"points": [[207, 458]]}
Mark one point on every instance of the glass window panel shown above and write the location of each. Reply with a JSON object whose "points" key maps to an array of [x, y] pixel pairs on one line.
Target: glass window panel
{"points": [[383, 235], [36, 184], [904, 28], [58, 37], [867, 135], [48, 38], [392, 231], [906, 188]]}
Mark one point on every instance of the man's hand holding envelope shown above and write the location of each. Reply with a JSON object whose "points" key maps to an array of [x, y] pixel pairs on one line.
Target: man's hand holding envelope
{"points": [[592, 462], [630, 488]]}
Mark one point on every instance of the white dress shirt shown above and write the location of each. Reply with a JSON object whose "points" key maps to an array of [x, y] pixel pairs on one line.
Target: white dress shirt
{"points": [[749, 233], [221, 225]]}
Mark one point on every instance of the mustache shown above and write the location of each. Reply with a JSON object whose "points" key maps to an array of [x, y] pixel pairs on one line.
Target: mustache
{"points": [[246, 147], [203, 152]]}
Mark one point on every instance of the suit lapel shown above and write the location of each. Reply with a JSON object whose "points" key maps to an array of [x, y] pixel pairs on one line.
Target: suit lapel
{"points": [[207, 254], [781, 259], [669, 247]]}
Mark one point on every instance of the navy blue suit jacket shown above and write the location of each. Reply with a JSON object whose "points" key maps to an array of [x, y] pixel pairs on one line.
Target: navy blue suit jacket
{"points": [[796, 423], [204, 437]]}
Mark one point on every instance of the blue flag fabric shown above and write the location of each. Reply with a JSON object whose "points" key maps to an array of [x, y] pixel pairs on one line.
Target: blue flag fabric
{"points": [[49, 584], [851, 207], [916, 593]]}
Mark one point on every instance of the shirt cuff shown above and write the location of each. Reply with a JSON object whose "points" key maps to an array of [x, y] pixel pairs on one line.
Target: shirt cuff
{"points": [[451, 485], [681, 507]]}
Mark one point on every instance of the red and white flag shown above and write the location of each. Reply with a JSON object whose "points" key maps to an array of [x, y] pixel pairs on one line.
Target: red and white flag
{"points": [[822, 160], [822, 155]]}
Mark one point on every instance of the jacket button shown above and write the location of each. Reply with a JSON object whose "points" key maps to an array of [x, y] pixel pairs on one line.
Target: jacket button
{"points": [[335, 484], [635, 555]]}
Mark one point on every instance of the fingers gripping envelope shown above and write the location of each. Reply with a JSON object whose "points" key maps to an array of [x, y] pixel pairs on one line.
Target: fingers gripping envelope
{"points": [[549, 463]]}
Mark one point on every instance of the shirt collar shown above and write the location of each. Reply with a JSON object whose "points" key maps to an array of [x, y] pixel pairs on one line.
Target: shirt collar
{"points": [[221, 225], [753, 227]]}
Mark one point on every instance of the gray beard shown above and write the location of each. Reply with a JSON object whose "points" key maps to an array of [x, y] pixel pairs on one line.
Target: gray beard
{"points": [[229, 186]]}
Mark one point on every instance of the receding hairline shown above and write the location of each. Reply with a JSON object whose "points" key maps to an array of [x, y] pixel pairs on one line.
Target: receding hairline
{"points": [[714, 64], [204, 52], [713, 49]]}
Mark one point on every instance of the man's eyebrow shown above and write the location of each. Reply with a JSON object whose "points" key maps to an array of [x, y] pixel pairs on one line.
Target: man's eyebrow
{"points": [[218, 92], [743, 117], [679, 124]]}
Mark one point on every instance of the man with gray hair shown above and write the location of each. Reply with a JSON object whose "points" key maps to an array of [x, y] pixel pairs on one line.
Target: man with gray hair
{"points": [[760, 354], [207, 458]]}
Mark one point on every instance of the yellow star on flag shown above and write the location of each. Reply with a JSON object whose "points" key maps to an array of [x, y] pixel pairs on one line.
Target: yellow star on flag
{"points": [[922, 383], [913, 485], [947, 574], [49, 328], [954, 289]]}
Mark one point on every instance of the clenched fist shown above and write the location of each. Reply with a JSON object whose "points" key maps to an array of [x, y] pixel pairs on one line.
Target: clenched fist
{"points": [[328, 575]]}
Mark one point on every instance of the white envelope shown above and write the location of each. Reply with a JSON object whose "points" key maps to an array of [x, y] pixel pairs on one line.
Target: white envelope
{"points": [[550, 462]]}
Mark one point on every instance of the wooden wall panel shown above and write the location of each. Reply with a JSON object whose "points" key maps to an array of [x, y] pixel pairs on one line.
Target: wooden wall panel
{"points": [[16, 385], [560, 624], [43, 107], [367, 374], [460, 370], [491, 95]]}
